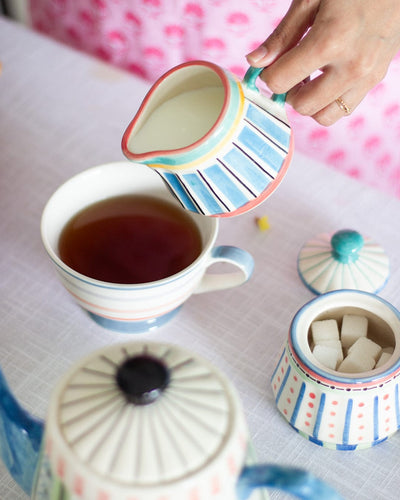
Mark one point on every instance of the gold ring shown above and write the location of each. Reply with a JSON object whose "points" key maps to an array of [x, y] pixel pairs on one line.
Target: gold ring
{"points": [[343, 106]]}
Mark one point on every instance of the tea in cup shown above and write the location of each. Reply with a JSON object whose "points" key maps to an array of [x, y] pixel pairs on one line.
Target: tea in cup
{"points": [[126, 250]]}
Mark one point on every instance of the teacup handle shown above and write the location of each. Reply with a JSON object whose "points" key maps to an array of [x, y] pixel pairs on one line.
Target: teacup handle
{"points": [[221, 281], [294, 481], [249, 81]]}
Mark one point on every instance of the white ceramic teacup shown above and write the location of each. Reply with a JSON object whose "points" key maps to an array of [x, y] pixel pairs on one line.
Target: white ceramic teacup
{"points": [[135, 308]]}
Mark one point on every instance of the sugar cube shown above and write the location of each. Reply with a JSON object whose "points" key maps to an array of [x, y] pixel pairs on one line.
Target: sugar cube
{"points": [[353, 327], [355, 362], [384, 357], [327, 356], [350, 352], [334, 344], [366, 347], [326, 329]]}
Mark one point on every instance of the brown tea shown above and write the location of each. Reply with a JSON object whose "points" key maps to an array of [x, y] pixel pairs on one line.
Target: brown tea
{"points": [[130, 239]]}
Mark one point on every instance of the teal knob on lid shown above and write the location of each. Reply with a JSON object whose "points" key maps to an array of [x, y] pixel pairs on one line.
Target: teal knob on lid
{"points": [[346, 245], [343, 260]]}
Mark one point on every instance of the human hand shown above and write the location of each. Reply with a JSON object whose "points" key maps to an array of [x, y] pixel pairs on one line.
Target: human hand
{"points": [[349, 42]]}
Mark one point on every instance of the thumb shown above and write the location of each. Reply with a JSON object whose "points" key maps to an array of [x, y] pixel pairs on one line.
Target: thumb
{"points": [[286, 35]]}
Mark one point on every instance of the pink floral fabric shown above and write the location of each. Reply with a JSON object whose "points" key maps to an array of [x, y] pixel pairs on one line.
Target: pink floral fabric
{"points": [[148, 37]]}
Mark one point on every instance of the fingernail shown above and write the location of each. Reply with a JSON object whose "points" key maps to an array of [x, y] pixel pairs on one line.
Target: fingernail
{"points": [[257, 54], [261, 55]]}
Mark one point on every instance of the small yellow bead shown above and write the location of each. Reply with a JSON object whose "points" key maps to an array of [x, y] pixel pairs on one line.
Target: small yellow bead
{"points": [[262, 223]]}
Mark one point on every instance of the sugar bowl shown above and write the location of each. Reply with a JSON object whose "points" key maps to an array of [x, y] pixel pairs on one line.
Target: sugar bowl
{"points": [[339, 409]]}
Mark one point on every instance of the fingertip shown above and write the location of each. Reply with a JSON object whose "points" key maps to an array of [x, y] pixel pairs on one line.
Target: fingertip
{"points": [[261, 56], [257, 54], [325, 118]]}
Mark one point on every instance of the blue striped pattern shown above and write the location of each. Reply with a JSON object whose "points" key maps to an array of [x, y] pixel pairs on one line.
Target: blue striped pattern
{"points": [[242, 167], [271, 125], [347, 422], [282, 379], [278, 396], [279, 362], [299, 400], [319, 416], [178, 190], [259, 149], [341, 447], [246, 170], [376, 418]]}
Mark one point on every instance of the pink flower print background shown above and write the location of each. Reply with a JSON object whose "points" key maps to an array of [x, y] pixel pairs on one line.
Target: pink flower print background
{"points": [[148, 37]]}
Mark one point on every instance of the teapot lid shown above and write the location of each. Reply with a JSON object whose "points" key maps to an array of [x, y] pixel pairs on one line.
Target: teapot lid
{"points": [[139, 418], [344, 259]]}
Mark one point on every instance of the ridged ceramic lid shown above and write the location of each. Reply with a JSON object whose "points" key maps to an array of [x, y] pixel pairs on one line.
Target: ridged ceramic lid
{"points": [[142, 415], [343, 260]]}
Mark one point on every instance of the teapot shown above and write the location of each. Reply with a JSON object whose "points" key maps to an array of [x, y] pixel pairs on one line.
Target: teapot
{"points": [[220, 145], [142, 421]]}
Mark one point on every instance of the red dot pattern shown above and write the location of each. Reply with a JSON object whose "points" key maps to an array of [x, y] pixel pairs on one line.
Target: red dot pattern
{"points": [[331, 427]]}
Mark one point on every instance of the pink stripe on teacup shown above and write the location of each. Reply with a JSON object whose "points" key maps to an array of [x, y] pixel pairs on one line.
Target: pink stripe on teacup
{"points": [[171, 305], [141, 318]]}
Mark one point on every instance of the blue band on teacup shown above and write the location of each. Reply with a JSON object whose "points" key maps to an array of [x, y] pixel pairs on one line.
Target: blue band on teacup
{"points": [[140, 326]]}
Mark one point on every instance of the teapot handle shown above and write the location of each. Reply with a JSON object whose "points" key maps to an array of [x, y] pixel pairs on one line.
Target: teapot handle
{"points": [[292, 480], [20, 438], [249, 81]]}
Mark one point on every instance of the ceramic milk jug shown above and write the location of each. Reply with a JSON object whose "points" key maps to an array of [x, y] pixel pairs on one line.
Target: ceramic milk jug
{"points": [[141, 421], [220, 145]]}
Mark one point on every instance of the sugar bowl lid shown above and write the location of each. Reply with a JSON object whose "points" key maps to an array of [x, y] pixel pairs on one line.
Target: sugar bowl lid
{"points": [[141, 420], [343, 260]]}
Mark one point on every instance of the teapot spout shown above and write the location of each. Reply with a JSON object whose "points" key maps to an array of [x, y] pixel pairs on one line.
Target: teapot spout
{"points": [[20, 438]]}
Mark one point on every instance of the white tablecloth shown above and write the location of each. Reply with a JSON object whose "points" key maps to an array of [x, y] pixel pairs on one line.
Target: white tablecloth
{"points": [[62, 112]]}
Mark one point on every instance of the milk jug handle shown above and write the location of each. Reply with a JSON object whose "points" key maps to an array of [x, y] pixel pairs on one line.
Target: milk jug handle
{"points": [[249, 81], [297, 482]]}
